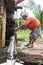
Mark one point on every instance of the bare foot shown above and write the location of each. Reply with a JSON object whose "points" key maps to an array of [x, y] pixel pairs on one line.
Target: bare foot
{"points": [[29, 45]]}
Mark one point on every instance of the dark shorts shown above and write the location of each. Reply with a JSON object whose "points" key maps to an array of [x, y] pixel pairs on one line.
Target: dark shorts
{"points": [[36, 33]]}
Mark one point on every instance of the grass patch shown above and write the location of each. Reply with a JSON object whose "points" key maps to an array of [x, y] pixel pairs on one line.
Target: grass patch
{"points": [[24, 34], [18, 44]]}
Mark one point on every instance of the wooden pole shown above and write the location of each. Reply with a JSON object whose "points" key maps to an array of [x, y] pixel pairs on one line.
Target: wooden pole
{"points": [[3, 24], [4, 28]]}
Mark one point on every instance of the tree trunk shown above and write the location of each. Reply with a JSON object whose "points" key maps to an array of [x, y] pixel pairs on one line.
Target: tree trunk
{"points": [[18, 1]]}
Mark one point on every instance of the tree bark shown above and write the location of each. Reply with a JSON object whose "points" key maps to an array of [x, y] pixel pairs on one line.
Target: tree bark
{"points": [[18, 1]]}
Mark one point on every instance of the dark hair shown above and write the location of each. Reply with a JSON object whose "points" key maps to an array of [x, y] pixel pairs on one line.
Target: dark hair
{"points": [[24, 17]]}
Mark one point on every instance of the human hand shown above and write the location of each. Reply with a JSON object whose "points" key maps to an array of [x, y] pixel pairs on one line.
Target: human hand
{"points": [[15, 29]]}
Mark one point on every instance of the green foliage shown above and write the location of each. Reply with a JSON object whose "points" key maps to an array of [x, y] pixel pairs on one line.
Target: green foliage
{"points": [[16, 23], [37, 15], [19, 50], [23, 33], [42, 32], [40, 17], [20, 22]]}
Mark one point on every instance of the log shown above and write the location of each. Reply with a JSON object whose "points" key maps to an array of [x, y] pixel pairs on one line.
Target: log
{"points": [[33, 55]]}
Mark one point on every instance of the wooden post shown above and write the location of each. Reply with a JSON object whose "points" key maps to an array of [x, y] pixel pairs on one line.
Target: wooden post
{"points": [[3, 24], [4, 28]]}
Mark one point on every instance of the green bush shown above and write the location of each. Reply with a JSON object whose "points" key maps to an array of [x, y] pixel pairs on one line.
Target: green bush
{"points": [[20, 22]]}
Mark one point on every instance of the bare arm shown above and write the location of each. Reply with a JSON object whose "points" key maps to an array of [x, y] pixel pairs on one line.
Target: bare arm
{"points": [[19, 28]]}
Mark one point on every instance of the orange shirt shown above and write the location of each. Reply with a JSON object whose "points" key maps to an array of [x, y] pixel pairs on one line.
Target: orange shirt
{"points": [[31, 23]]}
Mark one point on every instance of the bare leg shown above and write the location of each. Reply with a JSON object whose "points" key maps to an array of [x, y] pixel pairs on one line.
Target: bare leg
{"points": [[31, 41]]}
